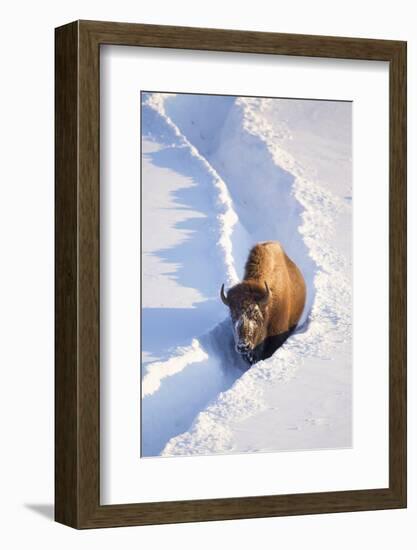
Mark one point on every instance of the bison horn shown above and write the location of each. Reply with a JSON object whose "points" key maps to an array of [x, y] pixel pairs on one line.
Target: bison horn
{"points": [[223, 296], [265, 298]]}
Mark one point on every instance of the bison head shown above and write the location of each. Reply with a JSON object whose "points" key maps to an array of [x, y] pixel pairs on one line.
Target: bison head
{"points": [[247, 302]]}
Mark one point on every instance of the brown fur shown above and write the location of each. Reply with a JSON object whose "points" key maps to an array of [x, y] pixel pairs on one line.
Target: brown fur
{"points": [[267, 262]]}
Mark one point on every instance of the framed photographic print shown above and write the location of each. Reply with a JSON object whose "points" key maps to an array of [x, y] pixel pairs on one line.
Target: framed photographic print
{"points": [[230, 274]]}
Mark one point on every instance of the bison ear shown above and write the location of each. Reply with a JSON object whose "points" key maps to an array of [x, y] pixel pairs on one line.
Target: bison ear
{"points": [[265, 298], [223, 296]]}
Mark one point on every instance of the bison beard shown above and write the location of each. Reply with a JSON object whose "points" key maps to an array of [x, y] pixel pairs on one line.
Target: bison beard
{"points": [[267, 348], [267, 305]]}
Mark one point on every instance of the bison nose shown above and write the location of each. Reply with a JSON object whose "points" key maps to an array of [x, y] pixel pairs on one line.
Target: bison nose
{"points": [[242, 347]]}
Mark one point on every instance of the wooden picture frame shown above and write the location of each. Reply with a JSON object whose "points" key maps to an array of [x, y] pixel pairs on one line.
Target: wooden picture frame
{"points": [[77, 364]]}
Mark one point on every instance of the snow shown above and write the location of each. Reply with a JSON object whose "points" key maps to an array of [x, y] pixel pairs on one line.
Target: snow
{"points": [[219, 174]]}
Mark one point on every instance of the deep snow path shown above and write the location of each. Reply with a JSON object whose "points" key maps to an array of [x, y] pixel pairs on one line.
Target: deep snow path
{"points": [[246, 187]]}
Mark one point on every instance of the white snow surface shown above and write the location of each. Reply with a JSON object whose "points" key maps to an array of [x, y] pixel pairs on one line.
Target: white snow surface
{"points": [[219, 174]]}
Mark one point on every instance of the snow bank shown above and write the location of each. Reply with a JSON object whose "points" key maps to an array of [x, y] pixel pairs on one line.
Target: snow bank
{"points": [[226, 216]]}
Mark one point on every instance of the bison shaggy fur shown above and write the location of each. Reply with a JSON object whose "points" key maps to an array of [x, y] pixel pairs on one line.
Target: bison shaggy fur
{"points": [[267, 305]]}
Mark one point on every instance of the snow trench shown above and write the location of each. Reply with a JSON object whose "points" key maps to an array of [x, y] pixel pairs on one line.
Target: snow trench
{"points": [[240, 185]]}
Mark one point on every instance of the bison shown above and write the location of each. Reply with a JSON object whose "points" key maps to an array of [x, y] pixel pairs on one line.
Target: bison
{"points": [[267, 305]]}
